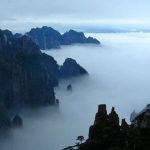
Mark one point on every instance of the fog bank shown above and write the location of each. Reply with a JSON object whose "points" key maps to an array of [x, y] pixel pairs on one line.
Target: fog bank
{"points": [[119, 75]]}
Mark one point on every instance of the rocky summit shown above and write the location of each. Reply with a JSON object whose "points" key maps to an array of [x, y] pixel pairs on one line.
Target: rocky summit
{"points": [[46, 37], [71, 68], [73, 37]]}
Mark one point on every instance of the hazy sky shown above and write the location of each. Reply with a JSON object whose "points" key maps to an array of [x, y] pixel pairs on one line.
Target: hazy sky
{"points": [[23, 14]]}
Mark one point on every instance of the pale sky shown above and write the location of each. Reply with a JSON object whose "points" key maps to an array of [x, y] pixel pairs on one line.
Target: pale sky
{"points": [[20, 15]]}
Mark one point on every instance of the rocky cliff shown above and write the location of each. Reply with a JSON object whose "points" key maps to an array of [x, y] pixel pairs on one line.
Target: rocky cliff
{"points": [[28, 76], [108, 134]]}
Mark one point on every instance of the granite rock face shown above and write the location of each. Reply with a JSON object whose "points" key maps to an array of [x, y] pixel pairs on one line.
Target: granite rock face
{"points": [[71, 68], [27, 77], [48, 38]]}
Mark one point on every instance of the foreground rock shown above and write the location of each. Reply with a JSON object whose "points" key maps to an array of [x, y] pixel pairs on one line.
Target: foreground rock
{"points": [[108, 134], [17, 122], [71, 68], [48, 38], [69, 87]]}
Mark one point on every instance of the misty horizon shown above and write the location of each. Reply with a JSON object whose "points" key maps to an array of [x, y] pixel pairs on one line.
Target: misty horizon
{"points": [[23, 15]]}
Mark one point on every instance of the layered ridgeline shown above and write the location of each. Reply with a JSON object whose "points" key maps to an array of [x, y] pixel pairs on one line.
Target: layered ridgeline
{"points": [[48, 38], [27, 76], [107, 134]]}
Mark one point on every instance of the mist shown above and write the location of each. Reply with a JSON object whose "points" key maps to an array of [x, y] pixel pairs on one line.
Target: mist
{"points": [[119, 76]]}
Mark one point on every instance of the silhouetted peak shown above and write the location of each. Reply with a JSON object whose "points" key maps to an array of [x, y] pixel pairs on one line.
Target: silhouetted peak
{"points": [[45, 37], [101, 116], [124, 124], [71, 68], [73, 32], [102, 109], [113, 117]]}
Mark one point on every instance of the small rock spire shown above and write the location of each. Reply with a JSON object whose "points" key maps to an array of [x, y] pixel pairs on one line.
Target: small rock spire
{"points": [[101, 117], [124, 124], [113, 117]]}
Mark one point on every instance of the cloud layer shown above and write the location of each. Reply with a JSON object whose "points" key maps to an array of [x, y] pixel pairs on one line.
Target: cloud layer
{"points": [[24, 14]]}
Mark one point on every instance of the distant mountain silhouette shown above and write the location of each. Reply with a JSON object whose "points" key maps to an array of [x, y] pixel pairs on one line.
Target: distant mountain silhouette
{"points": [[48, 38]]}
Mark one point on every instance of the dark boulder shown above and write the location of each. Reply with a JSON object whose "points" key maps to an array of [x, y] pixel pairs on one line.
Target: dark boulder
{"points": [[57, 102], [17, 122], [69, 87], [71, 68]]}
